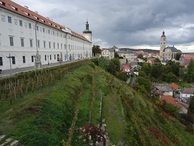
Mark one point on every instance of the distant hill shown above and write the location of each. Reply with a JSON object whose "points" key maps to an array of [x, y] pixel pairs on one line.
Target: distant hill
{"points": [[145, 50], [52, 114]]}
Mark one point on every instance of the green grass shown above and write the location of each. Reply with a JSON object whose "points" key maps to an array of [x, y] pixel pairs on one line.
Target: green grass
{"points": [[45, 116]]}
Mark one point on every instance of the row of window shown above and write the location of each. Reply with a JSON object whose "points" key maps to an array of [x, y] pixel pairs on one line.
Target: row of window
{"points": [[13, 61], [38, 28], [59, 46], [42, 29], [38, 43]]}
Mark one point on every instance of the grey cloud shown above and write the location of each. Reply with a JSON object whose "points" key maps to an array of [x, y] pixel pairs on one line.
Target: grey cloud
{"points": [[125, 22]]}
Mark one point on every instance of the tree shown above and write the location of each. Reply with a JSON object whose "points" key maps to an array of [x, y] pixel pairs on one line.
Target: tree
{"points": [[140, 56], [190, 72], [156, 71], [178, 55], [143, 84], [169, 77], [146, 68], [122, 76], [157, 61], [191, 105], [96, 49]]}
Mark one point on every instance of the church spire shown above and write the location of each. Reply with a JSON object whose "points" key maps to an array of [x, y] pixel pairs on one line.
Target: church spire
{"points": [[87, 25], [163, 34], [87, 28], [87, 33]]}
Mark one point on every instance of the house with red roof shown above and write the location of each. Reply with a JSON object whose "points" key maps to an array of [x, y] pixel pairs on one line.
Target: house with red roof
{"points": [[185, 59], [174, 86], [125, 68], [151, 61], [173, 101]]}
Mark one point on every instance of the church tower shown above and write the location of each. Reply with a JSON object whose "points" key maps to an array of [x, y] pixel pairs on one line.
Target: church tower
{"points": [[87, 33], [162, 44]]}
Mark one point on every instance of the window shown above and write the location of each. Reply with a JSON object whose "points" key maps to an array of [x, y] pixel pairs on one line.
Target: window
{"points": [[24, 59], [48, 31], [55, 56], [44, 44], [45, 57], [11, 40], [20, 22], [43, 29], [50, 57], [61, 46], [13, 59], [22, 42], [9, 19], [38, 43], [31, 43], [32, 58], [37, 28], [30, 25], [49, 44], [57, 45], [1, 61], [54, 45]]}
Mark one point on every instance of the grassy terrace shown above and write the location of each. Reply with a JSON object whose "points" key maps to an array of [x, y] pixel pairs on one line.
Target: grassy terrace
{"points": [[52, 114]]}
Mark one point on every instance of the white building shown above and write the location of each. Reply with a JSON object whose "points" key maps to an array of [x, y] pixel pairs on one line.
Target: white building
{"points": [[29, 39], [187, 93], [108, 53]]}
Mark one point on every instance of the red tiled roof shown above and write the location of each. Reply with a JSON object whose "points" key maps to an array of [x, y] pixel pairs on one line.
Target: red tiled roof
{"points": [[125, 67], [171, 100], [174, 86], [188, 56], [16, 8]]}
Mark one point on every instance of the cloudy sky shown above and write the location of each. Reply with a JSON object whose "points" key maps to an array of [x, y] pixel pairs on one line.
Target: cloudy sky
{"points": [[124, 23]]}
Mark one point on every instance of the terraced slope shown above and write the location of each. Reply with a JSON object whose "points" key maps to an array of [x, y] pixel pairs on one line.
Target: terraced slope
{"points": [[53, 115]]}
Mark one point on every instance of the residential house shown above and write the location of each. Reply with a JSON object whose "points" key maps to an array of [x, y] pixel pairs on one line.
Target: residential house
{"points": [[162, 90], [126, 53], [151, 61], [108, 53], [175, 87], [173, 101], [125, 68], [185, 59], [186, 94]]}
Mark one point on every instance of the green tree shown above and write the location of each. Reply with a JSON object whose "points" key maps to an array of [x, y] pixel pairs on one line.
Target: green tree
{"points": [[157, 61], [122, 76], [143, 84], [178, 55], [140, 56], [146, 68], [156, 71], [191, 105], [170, 77], [114, 66], [96, 49], [190, 72]]}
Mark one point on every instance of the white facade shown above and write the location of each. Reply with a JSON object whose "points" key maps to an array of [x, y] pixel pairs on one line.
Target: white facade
{"points": [[21, 37], [108, 53]]}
